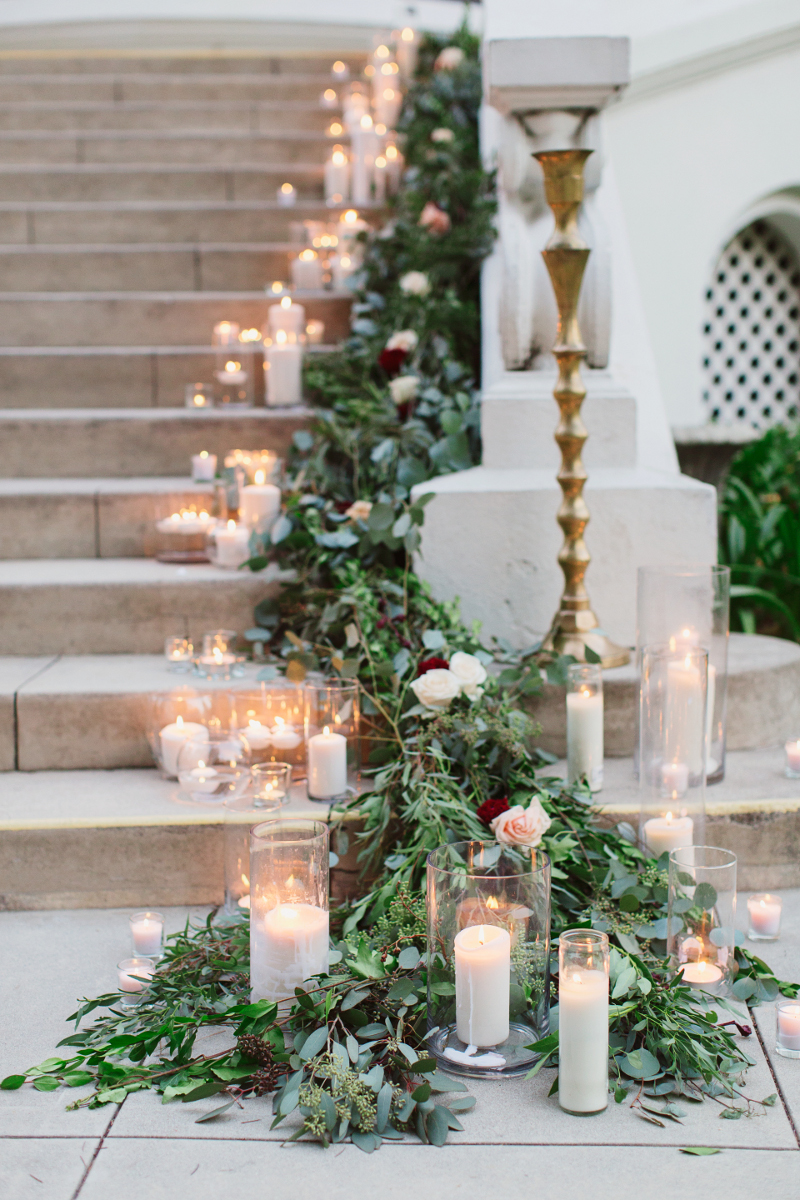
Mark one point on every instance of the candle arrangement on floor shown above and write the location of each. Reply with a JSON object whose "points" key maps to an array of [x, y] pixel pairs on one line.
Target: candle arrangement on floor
{"points": [[488, 955], [701, 916]]}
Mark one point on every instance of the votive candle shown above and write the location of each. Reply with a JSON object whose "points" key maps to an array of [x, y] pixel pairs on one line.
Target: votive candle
{"points": [[147, 933], [764, 913], [787, 1019]]}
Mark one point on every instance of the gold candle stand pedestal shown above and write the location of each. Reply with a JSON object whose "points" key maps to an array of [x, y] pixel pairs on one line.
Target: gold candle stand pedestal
{"points": [[575, 627]]}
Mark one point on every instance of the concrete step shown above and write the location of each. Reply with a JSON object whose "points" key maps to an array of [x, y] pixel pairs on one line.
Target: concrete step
{"points": [[119, 605], [38, 443], [55, 377], [184, 266], [104, 87], [183, 146], [257, 116], [148, 318], [132, 181], [92, 518], [191, 66], [45, 222]]}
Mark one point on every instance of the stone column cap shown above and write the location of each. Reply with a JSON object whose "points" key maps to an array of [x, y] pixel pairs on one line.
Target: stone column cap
{"points": [[526, 74]]}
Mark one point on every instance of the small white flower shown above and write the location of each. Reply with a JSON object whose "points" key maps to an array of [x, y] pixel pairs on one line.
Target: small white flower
{"points": [[415, 283], [359, 510], [436, 688], [405, 339], [470, 673], [449, 58], [442, 135], [404, 388], [520, 826]]}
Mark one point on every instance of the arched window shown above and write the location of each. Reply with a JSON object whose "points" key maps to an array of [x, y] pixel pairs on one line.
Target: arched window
{"points": [[751, 333]]}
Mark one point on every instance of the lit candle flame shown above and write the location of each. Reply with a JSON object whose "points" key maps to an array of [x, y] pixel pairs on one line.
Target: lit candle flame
{"points": [[260, 478]]}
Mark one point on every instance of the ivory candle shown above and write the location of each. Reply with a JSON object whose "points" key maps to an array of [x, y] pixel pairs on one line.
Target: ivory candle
{"points": [[764, 912], [290, 946], [283, 367], [201, 779], [204, 466], [174, 737], [287, 316], [483, 984], [147, 933], [788, 1027], [700, 974], [327, 765], [259, 503], [258, 736], [662, 835], [585, 737], [337, 177], [233, 547], [307, 271], [684, 718], [134, 974], [583, 1040]]}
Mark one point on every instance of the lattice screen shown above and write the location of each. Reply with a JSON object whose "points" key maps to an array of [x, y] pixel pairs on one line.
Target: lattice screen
{"points": [[751, 364]]}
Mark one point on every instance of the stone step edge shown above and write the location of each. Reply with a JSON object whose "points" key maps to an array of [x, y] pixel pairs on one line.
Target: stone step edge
{"points": [[163, 135], [89, 169], [124, 352], [8, 248], [153, 414], [178, 206], [166, 297]]}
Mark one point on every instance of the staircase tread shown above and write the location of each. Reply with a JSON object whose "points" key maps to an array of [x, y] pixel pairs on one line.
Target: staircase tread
{"points": [[143, 247], [92, 572], [114, 674], [156, 168], [153, 414], [299, 294], [158, 105], [149, 484], [165, 135], [149, 206], [84, 351]]}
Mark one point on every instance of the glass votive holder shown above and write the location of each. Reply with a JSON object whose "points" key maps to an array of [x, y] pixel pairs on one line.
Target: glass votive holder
{"points": [[583, 976], [228, 544], [204, 467], [214, 772], [133, 979], [270, 784], [147, 934], [701, 914], [488, 957], [219, 639], [174, 718], [178, 653], [764, 917], [332, 729], [289, 924], [792, 749], [219, 665], [787, 1028], [199, 395], [585, 724]]}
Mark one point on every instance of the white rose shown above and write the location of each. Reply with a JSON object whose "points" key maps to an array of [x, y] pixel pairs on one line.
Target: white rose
{"points": [[449, 58], [442, 135], [520, 826], [470, 673], [415, 283], [404, 388], [436, 688], [405, 339], [359, 510]]}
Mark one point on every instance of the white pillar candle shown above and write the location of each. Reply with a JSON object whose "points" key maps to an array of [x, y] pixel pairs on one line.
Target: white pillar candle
{"points": [[147, 932], [204, 466], [233, 544], [700, 974], [174, 737], [130, 967], [365, 145], [307, 270], [483, 984], [789, 1026], [583, 1040], [379, 179], [283, 365], [665, 834], [327, 765], [337, 177], [342, 267], [585, 737], [288, 316], [288, 945], [764, 912], [259, 504], [684, 717]]}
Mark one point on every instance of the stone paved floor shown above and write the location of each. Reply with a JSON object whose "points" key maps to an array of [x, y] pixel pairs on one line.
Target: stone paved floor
{"points": [[515, 1138]]}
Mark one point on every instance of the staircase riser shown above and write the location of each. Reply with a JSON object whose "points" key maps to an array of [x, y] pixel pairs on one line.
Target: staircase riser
{"points": [[214, 150], [190, 66], [102, 226], [140, 89], [76, 448], [182, 270], [235, 118], [111, 184], [138, 322]]}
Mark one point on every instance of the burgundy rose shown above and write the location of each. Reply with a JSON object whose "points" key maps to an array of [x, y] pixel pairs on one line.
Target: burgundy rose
{"points": [[432, 664], [491, 809], [392, 360]]}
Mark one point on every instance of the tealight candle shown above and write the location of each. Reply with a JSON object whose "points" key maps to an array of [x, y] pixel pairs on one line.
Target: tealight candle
{"points": [[178, 653], [258, 736], [204, 467], [764, 912], [787, 1019], [147, 933], [174, 737], [483, 984], [327, 765], [201, 779], [186, 523], [700, 974], [329, 99], [793, 758], [662, 835]]}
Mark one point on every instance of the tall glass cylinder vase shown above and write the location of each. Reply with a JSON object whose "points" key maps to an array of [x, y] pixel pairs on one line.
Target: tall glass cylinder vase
{"points": [[488, 956], [289, 928], [242, 813], [333, 732], [684, 607], [672, 738], [701, 916]]}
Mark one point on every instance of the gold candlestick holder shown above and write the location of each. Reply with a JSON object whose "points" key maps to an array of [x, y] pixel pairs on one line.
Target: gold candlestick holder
{"points": [[575, 628]]}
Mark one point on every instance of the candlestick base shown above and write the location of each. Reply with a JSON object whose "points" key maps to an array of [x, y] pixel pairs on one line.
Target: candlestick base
{"points": [[563, 640], [512, 1057]]}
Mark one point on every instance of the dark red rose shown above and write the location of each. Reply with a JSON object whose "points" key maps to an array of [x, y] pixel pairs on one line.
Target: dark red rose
{"points": [[492, 808], [404, 411], [432, 664], [392, 360]]}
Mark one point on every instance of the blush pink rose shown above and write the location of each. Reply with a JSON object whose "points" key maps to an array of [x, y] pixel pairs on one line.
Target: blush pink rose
{"points": [[520, 826]]}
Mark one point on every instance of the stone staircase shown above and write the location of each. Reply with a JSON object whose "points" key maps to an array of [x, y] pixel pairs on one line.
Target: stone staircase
{"points": [[137, 208]]}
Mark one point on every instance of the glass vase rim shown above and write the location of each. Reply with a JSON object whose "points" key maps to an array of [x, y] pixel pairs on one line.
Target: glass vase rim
{"points": [[583, 937], [541, 854], [316, 829], [663, 650], [332, 684], [147, 912], [720, 866], [685, 569]]}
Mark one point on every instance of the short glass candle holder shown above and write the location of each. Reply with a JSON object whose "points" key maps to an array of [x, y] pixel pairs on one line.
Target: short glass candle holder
{"points": [[787, 1028], [270, 718], [178, 653], [289, 924], [672, 732], [792, 749], [134, 976], [174, 718], [333, 747], [228, 544], [219, 664], [583, 971], [764, 917], [220, 639], [214, 771], [270, 784], [488, 957], [585, 725], [199, 395], [147, 934], [701, 916]]}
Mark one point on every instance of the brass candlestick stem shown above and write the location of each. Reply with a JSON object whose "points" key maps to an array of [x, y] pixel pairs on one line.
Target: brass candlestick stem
{"points": [[575, 628]]}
